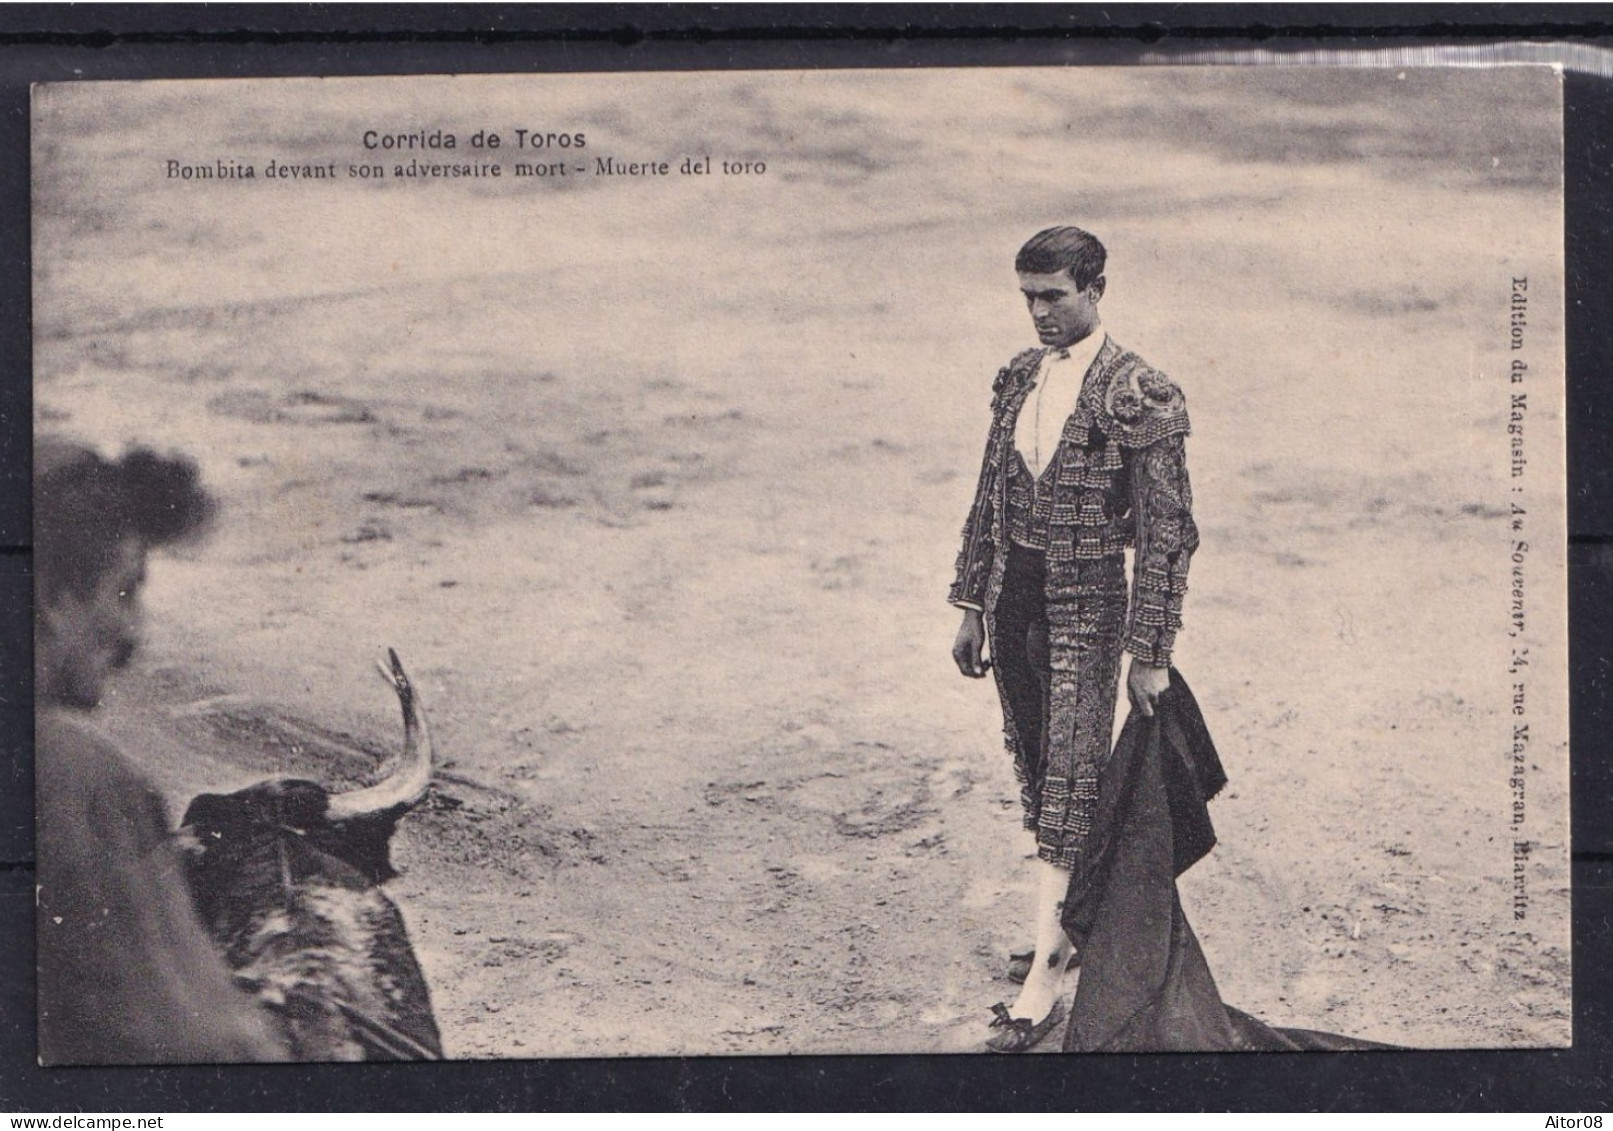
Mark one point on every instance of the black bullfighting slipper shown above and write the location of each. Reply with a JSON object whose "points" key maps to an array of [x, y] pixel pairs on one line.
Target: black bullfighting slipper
{"points": [[1021, 1034]]}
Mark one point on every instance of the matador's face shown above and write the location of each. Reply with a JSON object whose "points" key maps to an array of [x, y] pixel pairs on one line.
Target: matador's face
{"points": [[1063, 313]]}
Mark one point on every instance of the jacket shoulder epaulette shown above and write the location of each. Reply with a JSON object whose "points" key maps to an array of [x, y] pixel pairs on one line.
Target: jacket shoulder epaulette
{"points": [[1142, 404]]}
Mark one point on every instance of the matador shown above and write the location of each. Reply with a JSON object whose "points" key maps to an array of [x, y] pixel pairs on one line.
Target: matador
{"points": [[1085, 459]]}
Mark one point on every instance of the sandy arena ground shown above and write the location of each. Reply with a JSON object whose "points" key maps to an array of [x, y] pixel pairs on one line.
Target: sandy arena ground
{"points": [[656, 490]]}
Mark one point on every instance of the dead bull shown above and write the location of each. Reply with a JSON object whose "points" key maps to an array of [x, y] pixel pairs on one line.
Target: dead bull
{"points": [[287, 876]]}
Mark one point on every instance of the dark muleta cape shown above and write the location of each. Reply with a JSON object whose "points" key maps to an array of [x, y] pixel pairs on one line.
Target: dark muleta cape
{"points": [[1145, 985]]}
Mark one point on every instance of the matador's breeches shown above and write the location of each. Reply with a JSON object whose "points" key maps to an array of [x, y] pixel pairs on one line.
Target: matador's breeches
{"points": [[1057, 660]]}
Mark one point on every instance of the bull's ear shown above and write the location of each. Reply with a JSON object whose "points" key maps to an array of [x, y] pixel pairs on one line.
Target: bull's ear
{"points": [[365, 843]]}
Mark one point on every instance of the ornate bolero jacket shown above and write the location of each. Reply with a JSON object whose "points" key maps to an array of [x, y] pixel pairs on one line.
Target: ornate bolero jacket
{"points": [[1119, 479]]}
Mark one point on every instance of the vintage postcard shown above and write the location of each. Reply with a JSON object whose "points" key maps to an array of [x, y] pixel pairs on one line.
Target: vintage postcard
{"points": [[1028, 560]]}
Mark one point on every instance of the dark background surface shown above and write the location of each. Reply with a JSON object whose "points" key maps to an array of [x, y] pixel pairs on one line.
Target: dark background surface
{"points": [[171, 41]]}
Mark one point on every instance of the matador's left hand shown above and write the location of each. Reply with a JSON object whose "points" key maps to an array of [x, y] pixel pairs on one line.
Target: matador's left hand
{"points": [[1145, 684]]}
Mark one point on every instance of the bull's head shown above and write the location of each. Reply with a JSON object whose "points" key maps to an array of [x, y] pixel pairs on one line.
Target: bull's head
{"points": [[287, 877], [302, 825]]}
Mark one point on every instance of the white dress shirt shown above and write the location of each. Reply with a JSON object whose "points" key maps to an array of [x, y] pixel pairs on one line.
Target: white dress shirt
{"points": [[1050, 403]]}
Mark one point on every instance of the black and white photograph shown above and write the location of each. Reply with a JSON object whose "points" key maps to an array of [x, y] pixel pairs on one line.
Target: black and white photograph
{"points": [[996, 560]]}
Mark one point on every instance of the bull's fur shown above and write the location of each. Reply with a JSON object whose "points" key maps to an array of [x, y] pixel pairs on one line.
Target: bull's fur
{"points": [[293, 899]]}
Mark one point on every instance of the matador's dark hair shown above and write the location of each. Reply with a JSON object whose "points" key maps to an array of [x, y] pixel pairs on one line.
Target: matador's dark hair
{"points": [[85, 506], [1063, 249]]}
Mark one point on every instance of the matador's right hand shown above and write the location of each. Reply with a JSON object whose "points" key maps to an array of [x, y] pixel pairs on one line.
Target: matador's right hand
{"points": [[970, 643]]}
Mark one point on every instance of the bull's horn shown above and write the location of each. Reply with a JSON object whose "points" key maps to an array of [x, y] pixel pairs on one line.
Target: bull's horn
{"points": [[407, 784]]}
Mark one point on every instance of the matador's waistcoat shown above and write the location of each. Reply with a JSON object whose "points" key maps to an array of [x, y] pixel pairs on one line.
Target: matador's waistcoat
{"points": [[1118, 479]]}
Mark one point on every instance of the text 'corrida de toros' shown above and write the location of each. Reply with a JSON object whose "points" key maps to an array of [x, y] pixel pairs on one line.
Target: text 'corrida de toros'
{"points": [[481, 139]]}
